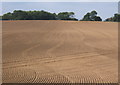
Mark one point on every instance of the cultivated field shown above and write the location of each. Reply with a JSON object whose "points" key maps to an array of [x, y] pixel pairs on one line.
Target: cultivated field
{"points": [[60, 52]]}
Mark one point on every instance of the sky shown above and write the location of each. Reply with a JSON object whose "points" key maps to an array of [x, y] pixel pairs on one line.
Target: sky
{"points": [[104, 9], [60, 0]]}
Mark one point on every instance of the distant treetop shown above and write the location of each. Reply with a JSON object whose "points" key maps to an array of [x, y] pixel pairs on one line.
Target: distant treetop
{"points": [[115, 18], [92, 16]]}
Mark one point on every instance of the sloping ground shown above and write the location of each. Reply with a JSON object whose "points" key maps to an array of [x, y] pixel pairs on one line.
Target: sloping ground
{"points": [[60, 52]]}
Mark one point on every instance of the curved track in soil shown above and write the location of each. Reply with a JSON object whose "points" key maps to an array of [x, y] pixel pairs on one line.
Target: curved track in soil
{"points": [[60, 52]]}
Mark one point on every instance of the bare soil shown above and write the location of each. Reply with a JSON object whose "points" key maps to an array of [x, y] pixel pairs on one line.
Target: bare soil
{"points": [[44, 51]]}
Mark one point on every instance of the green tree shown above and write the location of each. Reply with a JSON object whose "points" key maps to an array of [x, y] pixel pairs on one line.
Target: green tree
{"points": [[97, 18], [86, 17], [7, 16], [0, 17], [20, 15], [92, 16], [47, 15], [115, 18], [66, 16], [29, 15]]}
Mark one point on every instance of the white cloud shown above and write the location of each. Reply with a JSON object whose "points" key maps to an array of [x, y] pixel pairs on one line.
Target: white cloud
{"points": [[60, 0]]}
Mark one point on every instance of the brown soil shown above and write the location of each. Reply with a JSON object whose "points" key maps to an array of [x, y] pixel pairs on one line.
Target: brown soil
{"points": [[44, 51]]}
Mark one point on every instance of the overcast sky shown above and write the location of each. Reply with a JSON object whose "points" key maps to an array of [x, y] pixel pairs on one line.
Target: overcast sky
{"points": [[104, 9], [60, 0]]}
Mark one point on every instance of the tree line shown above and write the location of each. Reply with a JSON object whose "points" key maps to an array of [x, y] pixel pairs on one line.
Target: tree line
{"points": [[44, 15], [38, 15]]}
